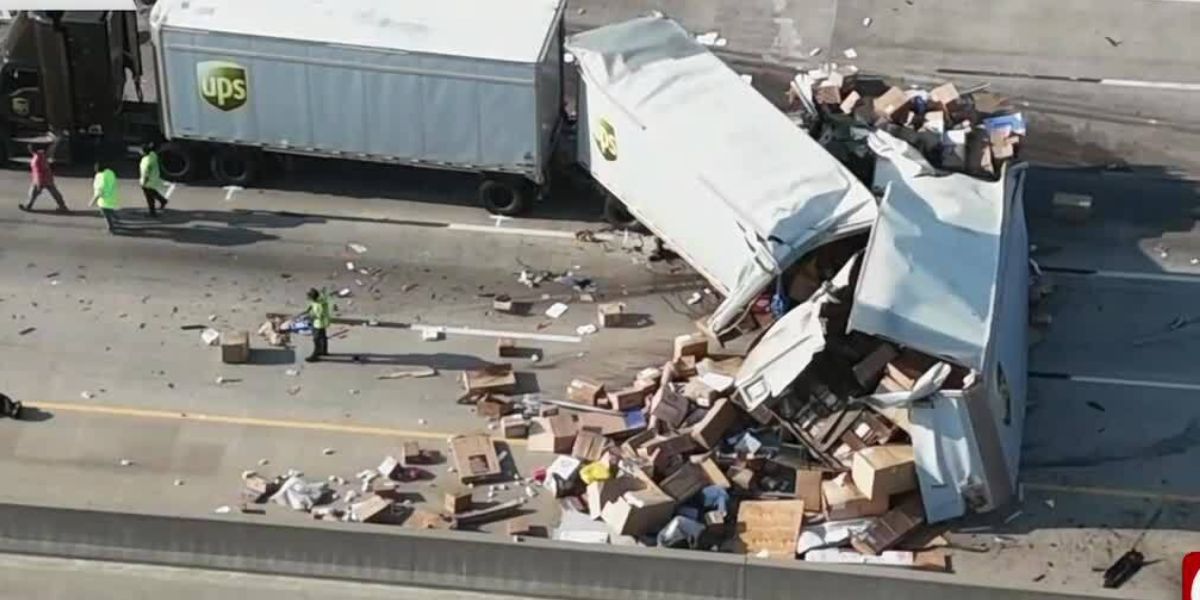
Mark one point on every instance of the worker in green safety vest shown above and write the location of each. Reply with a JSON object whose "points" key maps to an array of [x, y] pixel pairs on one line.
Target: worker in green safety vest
{"points": [[104, 194], [150, 179], [318, 311]]}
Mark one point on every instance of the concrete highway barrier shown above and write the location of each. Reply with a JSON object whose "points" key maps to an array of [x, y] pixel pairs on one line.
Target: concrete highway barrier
{"points": [[459, 560]]}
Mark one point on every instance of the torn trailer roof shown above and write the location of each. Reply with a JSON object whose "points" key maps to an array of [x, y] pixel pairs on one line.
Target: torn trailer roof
{"points": [[705, 162]]}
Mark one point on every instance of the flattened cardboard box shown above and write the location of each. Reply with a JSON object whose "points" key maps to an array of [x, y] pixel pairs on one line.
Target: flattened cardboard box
{"points": [[769, 525]]}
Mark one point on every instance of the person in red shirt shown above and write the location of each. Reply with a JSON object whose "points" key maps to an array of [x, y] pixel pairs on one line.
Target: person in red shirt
{"points": [[42, 180]]}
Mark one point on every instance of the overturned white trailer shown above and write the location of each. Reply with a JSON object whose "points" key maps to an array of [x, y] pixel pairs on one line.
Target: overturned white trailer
{"points": [[727, 181]]}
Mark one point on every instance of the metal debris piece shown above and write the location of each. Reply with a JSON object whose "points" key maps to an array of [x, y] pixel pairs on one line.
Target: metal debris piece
{"points": [[125, 462], [356, 248], [178, 482], [328, 451], [588, 329], [222, 510], [414, 372], [866, 22], [850, 53]]}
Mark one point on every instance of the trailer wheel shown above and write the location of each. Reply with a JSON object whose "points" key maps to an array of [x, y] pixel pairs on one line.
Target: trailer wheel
{"points": [[178, 162], [235, 166], [509, 197], [617, 215]]}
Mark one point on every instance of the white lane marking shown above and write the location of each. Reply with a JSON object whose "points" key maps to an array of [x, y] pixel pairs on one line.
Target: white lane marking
{"points": [[1131, 275], [516, 335], [1158, 85], [1164, 385], [466, 227], [230, 190]]}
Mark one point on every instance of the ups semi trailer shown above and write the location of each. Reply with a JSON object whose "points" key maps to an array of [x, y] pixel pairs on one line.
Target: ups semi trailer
{"points": [[465, 85]]}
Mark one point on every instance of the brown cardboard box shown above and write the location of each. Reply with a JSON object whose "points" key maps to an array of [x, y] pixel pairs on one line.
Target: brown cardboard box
{"points": [[411, 454], [684, 367], [638, 512], [602, 493], [372, 509], [888, 530], [518, 526], [828, 93], [692, 344], [672, 444], [585, 391], [235, 347], [712, 471], [612, 314], [700, 392], [742, 478], [685, 482], [883, 471], [553, 434], [475, 457], [498, 379], [808, 488], [670, 407], [769, 525], [457, 501], [629, 398], [612, 425], [890, 103], [589, 446], [388, 466], [709, 430], [491, 407], [256, 488], [844, 501], [944, 94], [847, 106], [1003, 145], [874, 363], [514, 427], [507, 348]]}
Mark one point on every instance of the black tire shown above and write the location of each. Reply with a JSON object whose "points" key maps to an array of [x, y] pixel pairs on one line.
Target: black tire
{"points": [[235, 166], [178, 162], [508, 197], [617, 215]]}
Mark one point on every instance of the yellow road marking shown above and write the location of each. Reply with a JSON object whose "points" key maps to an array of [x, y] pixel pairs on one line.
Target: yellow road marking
{"points": [[1111, 492], [122, 411]]}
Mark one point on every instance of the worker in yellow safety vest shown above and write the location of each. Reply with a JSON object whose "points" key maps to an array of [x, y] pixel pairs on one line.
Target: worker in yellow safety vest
{"points": [[104, 194], [318, 311], [150, 179]]}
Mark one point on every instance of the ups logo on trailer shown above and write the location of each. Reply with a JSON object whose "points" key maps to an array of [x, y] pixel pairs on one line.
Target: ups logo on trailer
{"points": [[222, 84], [606, 139]]}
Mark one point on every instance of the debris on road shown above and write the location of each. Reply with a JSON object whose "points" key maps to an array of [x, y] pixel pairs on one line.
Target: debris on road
{"points": [[410, 373], [356, 248], [210, 336], [27, 331], [556, 310]]}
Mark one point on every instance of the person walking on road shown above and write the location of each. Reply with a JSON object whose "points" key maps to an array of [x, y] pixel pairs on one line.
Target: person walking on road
{"points": [[151, 179], [318, 311], [104, 194], [42, 180]]}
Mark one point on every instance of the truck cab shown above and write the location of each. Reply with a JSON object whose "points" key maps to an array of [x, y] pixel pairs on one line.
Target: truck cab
{"points": [[63, 73]]}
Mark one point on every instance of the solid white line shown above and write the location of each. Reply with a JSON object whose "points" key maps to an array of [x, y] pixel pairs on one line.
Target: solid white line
{"points": [[1158, 85], [1132, 275], [516, 335], [511, 230], [1174, 278], [1165, 385]]}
